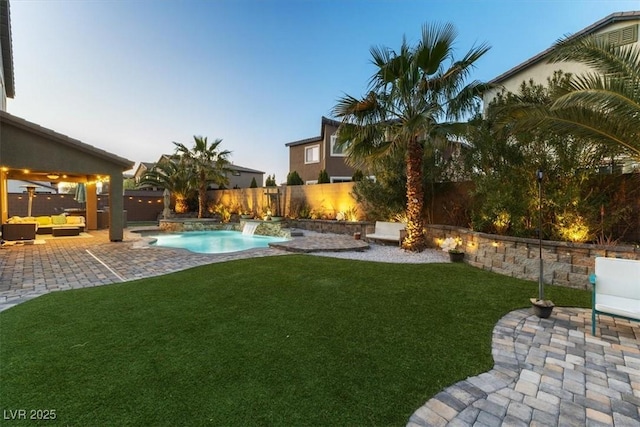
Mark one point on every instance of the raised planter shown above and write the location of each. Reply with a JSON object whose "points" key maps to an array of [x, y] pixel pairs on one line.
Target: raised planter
{"points": [[565, 264]]}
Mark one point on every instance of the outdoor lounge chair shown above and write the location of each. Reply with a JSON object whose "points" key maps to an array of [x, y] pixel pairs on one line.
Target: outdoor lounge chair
{"points": [[19, 231]]}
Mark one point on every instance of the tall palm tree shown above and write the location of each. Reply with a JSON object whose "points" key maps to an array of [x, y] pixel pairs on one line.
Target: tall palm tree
{"points": [[209, 164], [602, 105], [414, 96], [175, 177]]}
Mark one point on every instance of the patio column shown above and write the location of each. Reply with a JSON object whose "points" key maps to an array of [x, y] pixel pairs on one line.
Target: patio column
{"points": [[91, 210], [4, 196], [116, 207]]}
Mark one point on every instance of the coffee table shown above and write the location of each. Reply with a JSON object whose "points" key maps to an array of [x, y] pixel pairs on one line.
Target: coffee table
{"points": [[65, 231]]}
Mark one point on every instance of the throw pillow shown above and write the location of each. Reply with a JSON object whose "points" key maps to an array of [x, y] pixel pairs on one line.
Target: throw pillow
{"points": [[43, 220], [58, 219]]}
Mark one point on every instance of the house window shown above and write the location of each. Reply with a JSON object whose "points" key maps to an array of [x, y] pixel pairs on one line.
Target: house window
{"points": [[335, 179], [312, 154], [338, 150], [235, 173], [311, 182]]}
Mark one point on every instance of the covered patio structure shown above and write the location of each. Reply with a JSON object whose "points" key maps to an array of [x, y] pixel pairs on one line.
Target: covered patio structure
{"points": [[31, 152]]}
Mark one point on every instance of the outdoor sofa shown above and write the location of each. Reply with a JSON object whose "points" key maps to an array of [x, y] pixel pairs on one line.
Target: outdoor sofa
{"points": [[46, 224], [52, 224]]}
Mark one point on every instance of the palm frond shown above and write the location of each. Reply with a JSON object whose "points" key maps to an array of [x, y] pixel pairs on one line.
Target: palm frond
{"points": [[603, 57], [435, 47]]}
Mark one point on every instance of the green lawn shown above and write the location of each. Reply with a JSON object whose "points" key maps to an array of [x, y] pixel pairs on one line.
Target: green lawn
{"points": [[289, 340]]}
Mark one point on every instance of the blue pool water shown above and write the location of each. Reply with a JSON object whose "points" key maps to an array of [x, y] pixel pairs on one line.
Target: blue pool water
{"points": [[214, 242]]}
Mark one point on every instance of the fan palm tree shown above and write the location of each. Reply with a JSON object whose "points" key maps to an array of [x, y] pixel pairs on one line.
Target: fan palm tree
{"points": [[209, 164], [175, 177], [602, 105], [413, 97]]}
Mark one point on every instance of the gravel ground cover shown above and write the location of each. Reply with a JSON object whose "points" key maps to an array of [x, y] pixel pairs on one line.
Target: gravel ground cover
{"points": [[387, 253]]}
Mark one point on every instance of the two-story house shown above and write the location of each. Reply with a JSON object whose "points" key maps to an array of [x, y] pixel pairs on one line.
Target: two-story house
{"points": [[311, 155], [239, 176]]}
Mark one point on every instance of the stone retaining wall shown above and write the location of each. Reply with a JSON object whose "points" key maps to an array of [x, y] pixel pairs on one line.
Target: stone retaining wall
{"points": [[179, 225], [264, 228], [565, 264], [268, 228], [332, 226]]}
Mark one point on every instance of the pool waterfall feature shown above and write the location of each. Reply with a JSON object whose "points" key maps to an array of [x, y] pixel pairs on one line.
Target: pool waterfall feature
{"points": [[249, 228], [259, 227]]}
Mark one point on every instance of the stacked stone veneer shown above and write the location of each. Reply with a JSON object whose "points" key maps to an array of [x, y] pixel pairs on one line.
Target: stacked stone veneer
{"points": [[268, 228], [565, 264], [264, 228], [332, 226]]}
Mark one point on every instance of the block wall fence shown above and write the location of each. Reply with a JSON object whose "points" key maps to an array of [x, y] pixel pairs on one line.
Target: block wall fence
{"points": [[565, 264], [328, 199], [140, 205]]}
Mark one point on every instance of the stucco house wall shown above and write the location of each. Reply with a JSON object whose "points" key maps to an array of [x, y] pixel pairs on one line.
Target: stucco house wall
{"points": [[241, 177], [308, 171], [6, 56]]}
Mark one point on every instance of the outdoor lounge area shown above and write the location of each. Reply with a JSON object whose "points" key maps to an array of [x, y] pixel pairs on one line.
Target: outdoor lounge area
{"points": [[25, 228]]}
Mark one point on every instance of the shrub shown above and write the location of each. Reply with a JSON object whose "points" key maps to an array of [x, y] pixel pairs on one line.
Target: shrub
{"points": [[323, 177], [293, 178]]}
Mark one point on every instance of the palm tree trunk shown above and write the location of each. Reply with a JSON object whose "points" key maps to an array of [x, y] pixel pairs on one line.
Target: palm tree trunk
{"points": [[181, 204], [415, 240], [202, 196]]}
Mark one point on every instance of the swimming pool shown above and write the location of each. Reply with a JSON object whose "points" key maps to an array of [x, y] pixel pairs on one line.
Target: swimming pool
{"points": [[214, 242]]}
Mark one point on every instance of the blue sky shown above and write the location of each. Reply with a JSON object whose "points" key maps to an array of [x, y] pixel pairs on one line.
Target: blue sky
{"points": [[131, 76]]}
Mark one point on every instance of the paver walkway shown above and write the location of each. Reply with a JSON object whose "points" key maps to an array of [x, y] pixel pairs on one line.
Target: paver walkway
{"points": [[548, 372], [28, 271]]}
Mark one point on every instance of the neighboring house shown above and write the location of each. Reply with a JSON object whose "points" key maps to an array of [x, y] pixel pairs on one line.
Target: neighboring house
{"points": [[618, 28], [309, 156], [239, 176], [140, 171]]}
